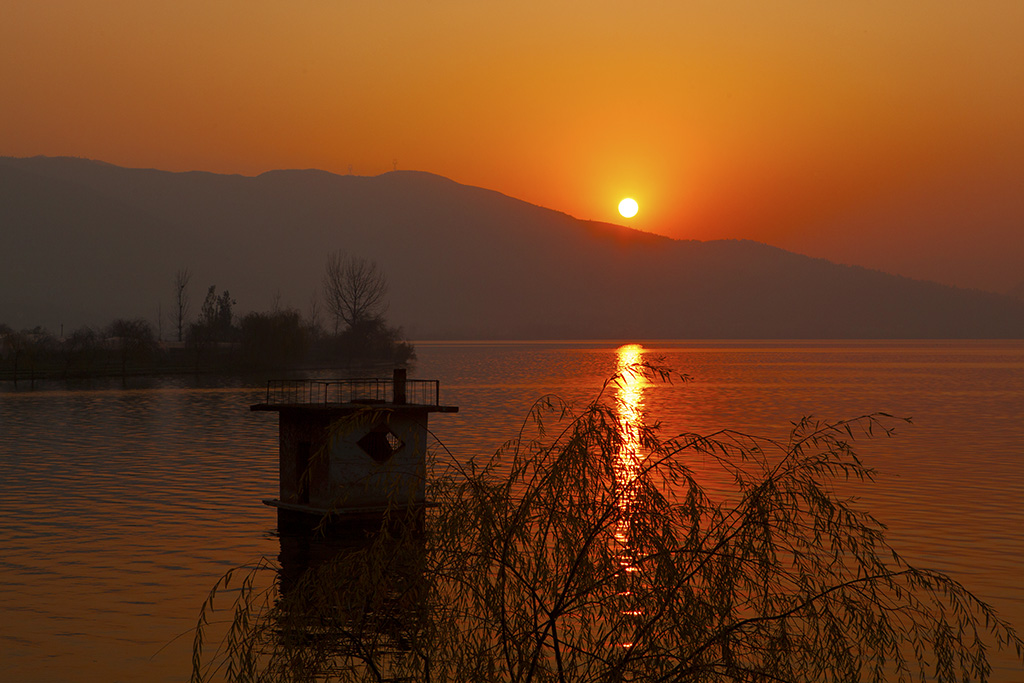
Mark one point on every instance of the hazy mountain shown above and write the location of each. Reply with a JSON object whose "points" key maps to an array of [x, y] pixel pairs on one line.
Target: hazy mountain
{"points": [[84, 242]]}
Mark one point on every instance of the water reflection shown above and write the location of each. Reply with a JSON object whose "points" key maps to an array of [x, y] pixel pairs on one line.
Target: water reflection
{"points": [[351, 597], [84, 472], [629, 405]]}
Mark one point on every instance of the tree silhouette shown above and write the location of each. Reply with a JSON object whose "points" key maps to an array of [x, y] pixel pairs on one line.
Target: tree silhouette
{"points": [[80, 349], [355, 289], [216, 317], [133, 338], [181, 280], [277, 338]]}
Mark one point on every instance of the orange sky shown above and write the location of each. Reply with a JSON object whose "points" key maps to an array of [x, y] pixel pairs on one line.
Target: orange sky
{"points": [[887, 134]]}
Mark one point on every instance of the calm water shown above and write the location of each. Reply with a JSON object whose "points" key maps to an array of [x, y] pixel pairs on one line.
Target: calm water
{"points": [[119, 507]]}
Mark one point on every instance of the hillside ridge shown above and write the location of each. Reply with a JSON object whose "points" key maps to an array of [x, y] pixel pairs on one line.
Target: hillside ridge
{"points": [[88, 241]]}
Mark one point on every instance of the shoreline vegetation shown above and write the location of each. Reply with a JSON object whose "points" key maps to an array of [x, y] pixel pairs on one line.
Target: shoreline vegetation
{"points": [[283, 344], [590, 547], [219, 342]]}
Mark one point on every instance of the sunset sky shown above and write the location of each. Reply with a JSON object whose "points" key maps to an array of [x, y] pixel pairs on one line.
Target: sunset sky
{"points": [[885, 134]]}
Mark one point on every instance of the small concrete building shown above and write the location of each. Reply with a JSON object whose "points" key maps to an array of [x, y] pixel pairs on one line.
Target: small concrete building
{"points": [[351, 448]]}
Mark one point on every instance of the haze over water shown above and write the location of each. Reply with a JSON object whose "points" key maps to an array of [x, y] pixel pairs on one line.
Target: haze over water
{"points": [[119, 507]]}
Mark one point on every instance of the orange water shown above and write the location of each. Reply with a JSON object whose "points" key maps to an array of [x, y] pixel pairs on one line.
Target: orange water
{"points": [[119, 507]]}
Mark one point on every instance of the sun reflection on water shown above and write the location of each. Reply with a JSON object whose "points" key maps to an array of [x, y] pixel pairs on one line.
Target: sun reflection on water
{"points": [[629, 406]]}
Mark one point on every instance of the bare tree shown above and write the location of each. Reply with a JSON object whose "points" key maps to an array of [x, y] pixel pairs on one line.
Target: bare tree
{"points": [[181, 280], [354, 288]]}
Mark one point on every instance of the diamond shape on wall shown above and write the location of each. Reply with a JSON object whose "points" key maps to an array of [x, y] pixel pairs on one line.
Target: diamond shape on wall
{"points": [[380, 443]]}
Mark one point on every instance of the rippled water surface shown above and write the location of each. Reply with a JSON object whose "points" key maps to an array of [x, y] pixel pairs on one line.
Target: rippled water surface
{"points": [[120, 506]]}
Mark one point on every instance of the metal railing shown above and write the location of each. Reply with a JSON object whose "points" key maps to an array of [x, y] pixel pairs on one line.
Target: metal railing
{"points": [[420, 392]]}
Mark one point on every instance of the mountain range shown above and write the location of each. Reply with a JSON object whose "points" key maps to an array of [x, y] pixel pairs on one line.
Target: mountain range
{"points": [[83, 242]]}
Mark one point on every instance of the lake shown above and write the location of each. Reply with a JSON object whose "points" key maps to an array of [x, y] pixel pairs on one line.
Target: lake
{"points": [[120, 506]]}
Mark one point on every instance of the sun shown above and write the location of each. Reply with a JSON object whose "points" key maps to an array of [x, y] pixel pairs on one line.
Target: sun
{"points": [[628, 207]]}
